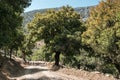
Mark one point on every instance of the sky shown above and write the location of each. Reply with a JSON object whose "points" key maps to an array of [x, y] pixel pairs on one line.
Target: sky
{"points": [[42, 4]]}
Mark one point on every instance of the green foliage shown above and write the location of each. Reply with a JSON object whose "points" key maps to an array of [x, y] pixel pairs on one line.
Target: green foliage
{"points": [[42, 54], [61, 30], [10, 22], [102, 32], [38, 55], [109, 68]]}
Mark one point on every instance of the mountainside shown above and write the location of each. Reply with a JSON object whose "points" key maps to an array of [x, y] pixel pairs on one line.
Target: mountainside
{"points": [[28, 16]]}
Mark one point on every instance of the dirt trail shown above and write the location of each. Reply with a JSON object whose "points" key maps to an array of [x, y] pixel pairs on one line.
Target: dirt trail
{"points": [[40, 70], [43, 73]]}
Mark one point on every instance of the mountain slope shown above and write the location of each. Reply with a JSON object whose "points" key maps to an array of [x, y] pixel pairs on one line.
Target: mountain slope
{"points": [[28, 16]]}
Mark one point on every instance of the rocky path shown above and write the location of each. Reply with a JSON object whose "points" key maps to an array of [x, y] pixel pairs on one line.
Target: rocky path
{"points": [[43, 73]]}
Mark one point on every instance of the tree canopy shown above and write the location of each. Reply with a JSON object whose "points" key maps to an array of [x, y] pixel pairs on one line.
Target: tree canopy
{"points": [[103, 31], [11, 21], [61, 30]]}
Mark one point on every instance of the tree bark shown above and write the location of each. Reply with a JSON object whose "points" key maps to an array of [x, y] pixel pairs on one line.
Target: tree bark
{"points": [[10, 53], [57, 58], [5, 54], [24, 56], [16, 53], [118, 67]]}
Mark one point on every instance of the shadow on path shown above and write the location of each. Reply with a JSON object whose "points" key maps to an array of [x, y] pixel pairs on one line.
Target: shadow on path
{"points": [[30, 71], [33, 70], [43, 78]]}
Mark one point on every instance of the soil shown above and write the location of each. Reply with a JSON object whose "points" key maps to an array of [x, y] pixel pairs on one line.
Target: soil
{"points": [[87, 75], [40, 70]]}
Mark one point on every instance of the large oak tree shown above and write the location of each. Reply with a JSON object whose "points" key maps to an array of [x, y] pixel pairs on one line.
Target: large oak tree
{"points": [[61, 31]]}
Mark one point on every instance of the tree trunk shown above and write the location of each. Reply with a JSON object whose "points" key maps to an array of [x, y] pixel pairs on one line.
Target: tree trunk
{"points": [[10, 53], [78, 66], [118, 68], [15, 53], [24, 56], [5, 54], [57, 58]]}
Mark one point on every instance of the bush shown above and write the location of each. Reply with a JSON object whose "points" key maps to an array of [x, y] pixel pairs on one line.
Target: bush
{"points": [[38, 55]]}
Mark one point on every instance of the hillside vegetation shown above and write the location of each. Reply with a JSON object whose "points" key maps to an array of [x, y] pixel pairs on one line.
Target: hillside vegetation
{"points": [[28, 16]]}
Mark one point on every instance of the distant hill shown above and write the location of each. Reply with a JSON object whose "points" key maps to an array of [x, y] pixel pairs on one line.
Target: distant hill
{"points": [[28, 16]]}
